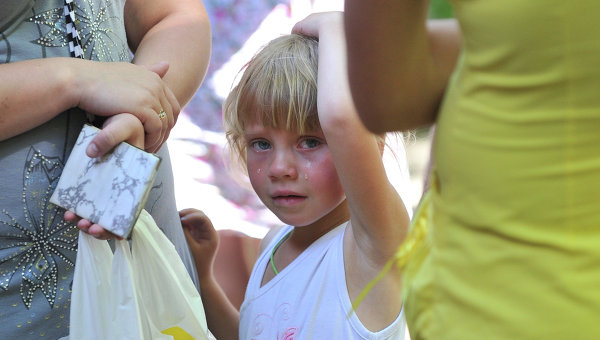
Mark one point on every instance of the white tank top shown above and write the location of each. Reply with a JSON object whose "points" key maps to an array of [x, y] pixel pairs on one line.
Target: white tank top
{"points": [[308, 299]]}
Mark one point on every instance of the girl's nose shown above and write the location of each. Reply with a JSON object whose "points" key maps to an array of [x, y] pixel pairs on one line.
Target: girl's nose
{"points": [[283, 165]]}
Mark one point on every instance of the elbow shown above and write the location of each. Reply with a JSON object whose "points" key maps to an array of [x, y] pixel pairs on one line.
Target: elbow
{"points": [[370, 115], [395, 113], [378, 118], [374, 121]]}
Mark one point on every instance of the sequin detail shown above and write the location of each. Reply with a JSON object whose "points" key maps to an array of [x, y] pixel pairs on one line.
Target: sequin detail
{"points": [[95, 26], [32, 250]]}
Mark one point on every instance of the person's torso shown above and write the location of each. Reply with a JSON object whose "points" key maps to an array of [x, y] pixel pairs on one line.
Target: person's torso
{"points": [[37, 247], [308, 299], [516, 223]]}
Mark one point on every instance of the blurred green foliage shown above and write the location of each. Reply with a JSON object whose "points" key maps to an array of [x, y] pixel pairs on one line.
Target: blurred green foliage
{"points": [[440, 9]]}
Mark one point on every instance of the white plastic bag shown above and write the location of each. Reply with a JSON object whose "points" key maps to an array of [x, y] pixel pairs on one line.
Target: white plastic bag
{"points": [[142, 293], [166, 293]]}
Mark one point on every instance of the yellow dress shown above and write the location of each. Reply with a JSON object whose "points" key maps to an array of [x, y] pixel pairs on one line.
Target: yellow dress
{"points": [[513, 249]]}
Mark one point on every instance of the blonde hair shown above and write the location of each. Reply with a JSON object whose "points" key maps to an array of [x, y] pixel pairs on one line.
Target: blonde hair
{"points": [[278, 88]]}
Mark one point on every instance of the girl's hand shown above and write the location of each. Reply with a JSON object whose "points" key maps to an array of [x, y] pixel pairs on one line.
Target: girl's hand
{"points": [[117, 128], [108, 89], [202, 239], [312, 24]]}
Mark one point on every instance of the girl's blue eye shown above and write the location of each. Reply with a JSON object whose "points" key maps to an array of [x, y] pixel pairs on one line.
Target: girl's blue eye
{"points": [[310, 143], [260, 145]]}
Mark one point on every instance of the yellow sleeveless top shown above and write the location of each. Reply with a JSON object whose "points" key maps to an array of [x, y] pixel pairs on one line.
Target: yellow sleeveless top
{"points": [[513, 216]]}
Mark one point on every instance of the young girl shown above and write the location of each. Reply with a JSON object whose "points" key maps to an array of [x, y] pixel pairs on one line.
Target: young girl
{"points": [[312, 163]]}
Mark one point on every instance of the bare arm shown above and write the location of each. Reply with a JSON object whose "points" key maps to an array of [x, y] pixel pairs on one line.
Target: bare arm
{"points": [[34, 91], [378, 217], [398, 63], [177, 32], [30, 100], [221, 316]]}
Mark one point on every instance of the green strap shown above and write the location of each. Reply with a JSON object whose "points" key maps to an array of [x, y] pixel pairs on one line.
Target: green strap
{"points": [[275, 249], [273, 263]]}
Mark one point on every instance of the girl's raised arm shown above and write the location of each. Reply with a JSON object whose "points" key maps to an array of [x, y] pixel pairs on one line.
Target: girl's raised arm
{"points": [[378, 217]]}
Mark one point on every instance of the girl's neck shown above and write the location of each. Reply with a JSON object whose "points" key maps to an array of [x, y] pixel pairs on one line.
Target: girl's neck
{"points": [[304, 236], [300, 238]]}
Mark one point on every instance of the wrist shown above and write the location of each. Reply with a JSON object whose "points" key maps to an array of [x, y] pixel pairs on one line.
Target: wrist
{"points": [[207, 278], [69, 80]]}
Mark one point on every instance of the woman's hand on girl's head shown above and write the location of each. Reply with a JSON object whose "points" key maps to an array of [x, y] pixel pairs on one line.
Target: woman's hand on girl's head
{"points": [[108, 89]]}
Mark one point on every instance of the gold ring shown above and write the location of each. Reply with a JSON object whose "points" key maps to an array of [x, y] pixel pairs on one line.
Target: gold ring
{"points": [[162, 114]]}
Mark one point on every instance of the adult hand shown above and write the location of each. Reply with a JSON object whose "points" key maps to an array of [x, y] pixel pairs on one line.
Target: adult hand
{"points": [[88, 227], [202, 239], [122, 127], [107, 89]]}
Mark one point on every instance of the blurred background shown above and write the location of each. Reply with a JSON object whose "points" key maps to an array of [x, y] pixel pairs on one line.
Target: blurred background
{"points": [[197, 142]]}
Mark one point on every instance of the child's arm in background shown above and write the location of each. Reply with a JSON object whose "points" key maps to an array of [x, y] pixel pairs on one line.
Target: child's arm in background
{"points": [[222, 317], [378, 217]]}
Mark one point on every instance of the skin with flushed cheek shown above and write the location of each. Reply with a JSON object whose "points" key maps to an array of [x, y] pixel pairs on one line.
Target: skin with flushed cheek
{"points": [[299, 186]]}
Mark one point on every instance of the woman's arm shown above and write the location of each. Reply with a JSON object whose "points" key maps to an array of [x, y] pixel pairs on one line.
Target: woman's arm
{"points": [[398, 62], [34, 91], [177, 32]]}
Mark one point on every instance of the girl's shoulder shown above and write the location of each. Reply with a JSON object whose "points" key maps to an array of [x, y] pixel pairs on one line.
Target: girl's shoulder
{"points": [[264, 243]]}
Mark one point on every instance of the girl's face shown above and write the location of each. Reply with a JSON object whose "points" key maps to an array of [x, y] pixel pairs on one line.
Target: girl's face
{"points": [[294, 175]]}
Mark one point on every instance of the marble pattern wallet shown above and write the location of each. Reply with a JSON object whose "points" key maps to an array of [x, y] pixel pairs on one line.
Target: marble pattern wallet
{"points": [[109, 190]]}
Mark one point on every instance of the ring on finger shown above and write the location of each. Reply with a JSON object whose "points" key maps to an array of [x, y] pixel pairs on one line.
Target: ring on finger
{"points": [[162, 114]]}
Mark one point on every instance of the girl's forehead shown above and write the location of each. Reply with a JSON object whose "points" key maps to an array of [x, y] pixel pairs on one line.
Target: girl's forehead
{"points": [[256, 126]]}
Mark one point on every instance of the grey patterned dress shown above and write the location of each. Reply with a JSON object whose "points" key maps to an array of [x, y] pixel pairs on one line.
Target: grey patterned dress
{"points": [[37, 247]]}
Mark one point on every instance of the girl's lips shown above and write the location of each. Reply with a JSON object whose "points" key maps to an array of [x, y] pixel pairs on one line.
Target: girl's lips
{"points": [[288, 200]]}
